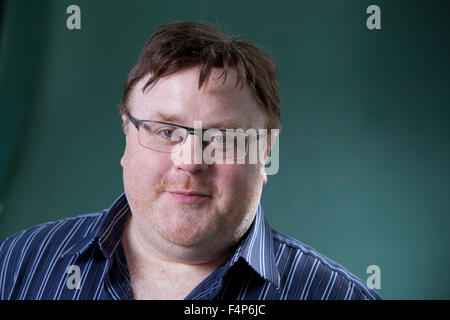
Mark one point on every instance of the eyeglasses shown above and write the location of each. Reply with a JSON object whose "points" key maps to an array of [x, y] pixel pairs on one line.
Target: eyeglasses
{"points": [[168, 137]]}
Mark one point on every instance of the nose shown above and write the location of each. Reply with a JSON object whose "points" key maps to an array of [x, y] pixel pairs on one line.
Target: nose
{"points": [[190, 156]]}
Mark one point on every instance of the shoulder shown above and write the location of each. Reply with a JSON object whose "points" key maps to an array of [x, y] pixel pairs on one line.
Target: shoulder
{"points": [[41, 235], [319, 277], [35, 248]]}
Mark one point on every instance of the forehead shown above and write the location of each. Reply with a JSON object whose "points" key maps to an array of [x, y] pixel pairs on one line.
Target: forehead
{"points": [[177, 98]]}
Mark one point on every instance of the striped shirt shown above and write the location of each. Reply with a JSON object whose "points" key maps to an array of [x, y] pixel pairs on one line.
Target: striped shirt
{"points": [[83, 258]]}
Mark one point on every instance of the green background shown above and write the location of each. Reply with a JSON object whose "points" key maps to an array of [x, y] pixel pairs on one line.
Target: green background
{"points": [[364, 150]]}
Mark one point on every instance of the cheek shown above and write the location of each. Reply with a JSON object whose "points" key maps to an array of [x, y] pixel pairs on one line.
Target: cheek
{"points": [[241, 181], [143, 169]]}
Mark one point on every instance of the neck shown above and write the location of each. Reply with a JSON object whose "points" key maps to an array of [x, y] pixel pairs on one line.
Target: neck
{"points": [[160, 272]]}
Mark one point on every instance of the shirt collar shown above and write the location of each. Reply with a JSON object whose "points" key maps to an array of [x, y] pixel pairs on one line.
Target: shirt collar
{"points": [[106, 232], [256, 249]]}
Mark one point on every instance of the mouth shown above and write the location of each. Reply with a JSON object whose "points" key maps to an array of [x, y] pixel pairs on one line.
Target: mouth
{"points": [[188, 197]]}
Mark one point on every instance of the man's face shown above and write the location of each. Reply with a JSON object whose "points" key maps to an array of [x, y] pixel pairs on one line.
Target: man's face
{"points": [[158, 189]]}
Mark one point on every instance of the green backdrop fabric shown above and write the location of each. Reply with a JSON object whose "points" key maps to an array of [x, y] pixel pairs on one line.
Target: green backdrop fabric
{"points": [[364, 149]]}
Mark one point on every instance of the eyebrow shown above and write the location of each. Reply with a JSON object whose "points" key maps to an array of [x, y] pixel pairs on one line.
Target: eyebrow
{"points": [[173, 118], [167, 117]]}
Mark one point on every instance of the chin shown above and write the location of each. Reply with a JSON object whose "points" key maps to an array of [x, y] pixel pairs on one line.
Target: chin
{"points": [[190, 232], [189, 237]]}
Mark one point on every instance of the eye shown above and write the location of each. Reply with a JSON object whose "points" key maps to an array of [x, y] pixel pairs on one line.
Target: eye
{"points": [[166, 133], [171, 134], [219, 139]]}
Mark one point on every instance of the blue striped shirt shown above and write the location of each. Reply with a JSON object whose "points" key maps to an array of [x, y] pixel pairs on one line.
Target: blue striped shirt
{"points": [[83, 258]]}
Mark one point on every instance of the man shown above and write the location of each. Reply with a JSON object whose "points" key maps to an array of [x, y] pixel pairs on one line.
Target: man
{"points": [[183, 229]]}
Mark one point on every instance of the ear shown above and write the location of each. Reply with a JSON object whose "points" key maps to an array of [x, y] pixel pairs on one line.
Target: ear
{"points": [[124, 129], [273, 137], [124, 123]]}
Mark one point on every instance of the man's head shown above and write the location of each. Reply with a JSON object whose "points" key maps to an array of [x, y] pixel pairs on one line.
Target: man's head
{"points": [[180, 45], [190, 72]]}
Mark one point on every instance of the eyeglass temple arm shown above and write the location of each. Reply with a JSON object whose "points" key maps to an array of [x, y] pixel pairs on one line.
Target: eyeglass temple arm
{"points": [[133, 120]]}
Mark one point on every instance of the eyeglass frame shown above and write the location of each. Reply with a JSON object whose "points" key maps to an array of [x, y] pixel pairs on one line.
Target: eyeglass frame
{"points": [[137, 123]]}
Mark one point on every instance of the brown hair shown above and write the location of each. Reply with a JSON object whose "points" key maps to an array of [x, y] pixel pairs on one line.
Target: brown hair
{"points": [[179, 45]]}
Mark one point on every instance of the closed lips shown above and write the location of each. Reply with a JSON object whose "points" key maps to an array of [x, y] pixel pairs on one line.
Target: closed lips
{"points": [[188, 197], [189, 193]]}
